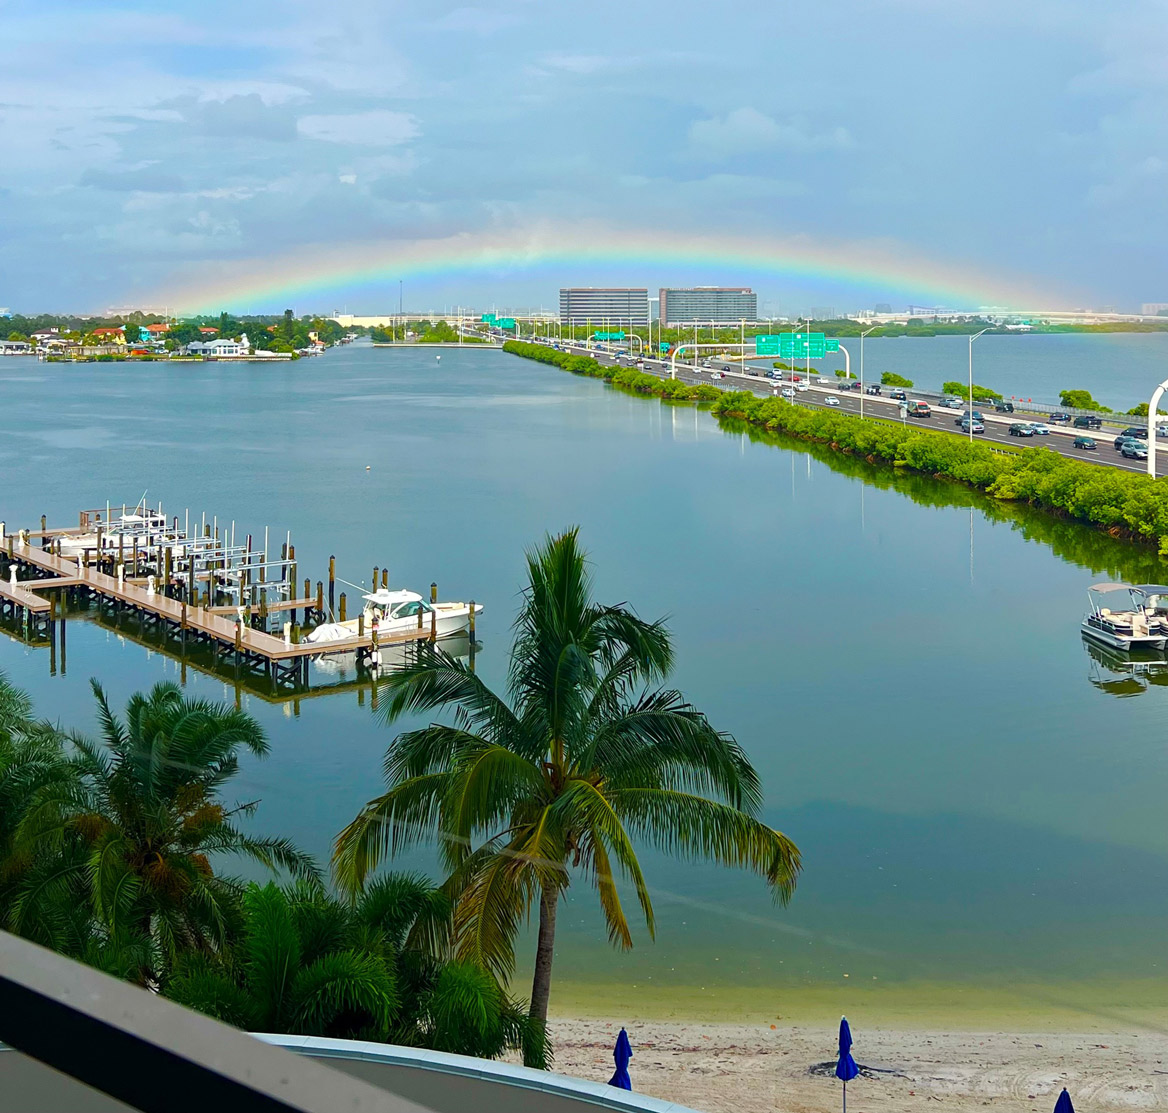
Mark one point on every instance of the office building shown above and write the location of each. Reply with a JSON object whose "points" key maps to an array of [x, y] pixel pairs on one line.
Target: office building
{"points": [[1154, 308], [618, 305], [708, 305], [823, 312]]}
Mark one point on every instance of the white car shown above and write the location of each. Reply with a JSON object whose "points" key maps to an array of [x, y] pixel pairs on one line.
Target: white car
{"points": [[788, 393], [716, 375], [831, 400], [1040, 430], [823, 382], [802, 386]]}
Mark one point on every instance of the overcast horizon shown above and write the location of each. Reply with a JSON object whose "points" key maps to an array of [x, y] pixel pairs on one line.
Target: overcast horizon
{"points": [[843, 154]]}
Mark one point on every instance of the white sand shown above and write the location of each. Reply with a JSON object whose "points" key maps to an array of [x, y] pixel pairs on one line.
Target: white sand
{"points": [[757, 1069]]}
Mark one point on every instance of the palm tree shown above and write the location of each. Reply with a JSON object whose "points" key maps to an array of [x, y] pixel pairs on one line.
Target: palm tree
{"points": [[585, 758], [309, 965], [137, 828]]}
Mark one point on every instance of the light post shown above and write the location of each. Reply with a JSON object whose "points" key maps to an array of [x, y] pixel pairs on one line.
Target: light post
{"points": [[969, 411], [1155, 401], [862, 335]]}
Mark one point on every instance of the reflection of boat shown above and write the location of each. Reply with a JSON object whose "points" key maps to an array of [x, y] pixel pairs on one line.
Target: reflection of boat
{"points": [[1129, 674], [399, 612], [1142, 625], [344, 665]]}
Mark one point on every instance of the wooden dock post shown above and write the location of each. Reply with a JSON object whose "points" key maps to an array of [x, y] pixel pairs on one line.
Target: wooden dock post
{"points": [[307, 590], [332, 584], [238, 643], [319, 599], [44, 526], [182, 626], [433, 593], [375, 572], [433, 626], [385, 578], [472, 622], [341, 612], [361, 624]]}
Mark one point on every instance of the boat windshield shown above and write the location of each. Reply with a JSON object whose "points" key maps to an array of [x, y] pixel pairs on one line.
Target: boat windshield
{"points": [[410, 609]]}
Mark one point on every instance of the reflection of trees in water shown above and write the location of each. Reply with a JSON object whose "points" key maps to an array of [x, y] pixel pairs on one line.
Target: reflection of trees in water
{"points": [[1072, 541], [1124, 674]]}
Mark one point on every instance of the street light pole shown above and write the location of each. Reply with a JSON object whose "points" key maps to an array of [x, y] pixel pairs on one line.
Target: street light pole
{"points": [[862, 335], [969, 411]]}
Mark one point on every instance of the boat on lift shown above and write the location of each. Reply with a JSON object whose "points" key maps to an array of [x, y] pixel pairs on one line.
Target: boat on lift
{"points": [[399, 612], [1141, 624]]}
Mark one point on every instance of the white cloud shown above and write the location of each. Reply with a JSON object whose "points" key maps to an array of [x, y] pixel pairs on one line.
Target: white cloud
{"points": [[379, 128], [746, 129]]}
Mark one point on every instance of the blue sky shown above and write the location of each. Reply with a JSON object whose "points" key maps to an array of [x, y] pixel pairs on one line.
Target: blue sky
{"points": [[148, 146]]}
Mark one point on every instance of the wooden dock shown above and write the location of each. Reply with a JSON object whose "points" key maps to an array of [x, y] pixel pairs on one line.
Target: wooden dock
{"points": [[285, 660]]}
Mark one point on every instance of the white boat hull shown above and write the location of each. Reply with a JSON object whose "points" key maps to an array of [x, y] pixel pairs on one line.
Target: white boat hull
{"points": [[1122, 641]]}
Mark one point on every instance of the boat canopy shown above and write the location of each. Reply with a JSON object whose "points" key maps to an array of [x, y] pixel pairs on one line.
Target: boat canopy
{"points": [[385, 598], [1104, 588], [1152, 589]]}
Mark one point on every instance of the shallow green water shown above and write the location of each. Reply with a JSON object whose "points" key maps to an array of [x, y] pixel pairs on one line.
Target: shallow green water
{"points": [[976, 797]]}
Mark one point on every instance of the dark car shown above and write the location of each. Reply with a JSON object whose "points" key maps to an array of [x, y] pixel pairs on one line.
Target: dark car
{"points": [[1058, 415], [1087, 423], [899, 395], [872, 390], [1021, 430], [1121, 440], [1084, 442], [1140, 432], [1005, 407]]}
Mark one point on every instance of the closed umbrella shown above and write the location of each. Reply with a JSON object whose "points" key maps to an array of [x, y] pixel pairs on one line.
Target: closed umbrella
{"points": [[1063, 1105], [622, 1053], [846, 1068]]}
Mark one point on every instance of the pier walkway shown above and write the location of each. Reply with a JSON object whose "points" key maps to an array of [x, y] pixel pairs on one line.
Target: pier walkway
{"points": [[281, 658]]}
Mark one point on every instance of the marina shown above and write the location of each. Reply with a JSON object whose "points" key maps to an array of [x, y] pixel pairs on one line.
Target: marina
{"points": [[133, 560]]}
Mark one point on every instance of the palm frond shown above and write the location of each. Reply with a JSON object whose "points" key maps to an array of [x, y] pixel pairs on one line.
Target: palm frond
{"points": [[693, 827]]}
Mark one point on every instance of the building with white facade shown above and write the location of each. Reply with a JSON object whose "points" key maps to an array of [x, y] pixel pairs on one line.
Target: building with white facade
{"points": [[616, 305], [708, 305]]}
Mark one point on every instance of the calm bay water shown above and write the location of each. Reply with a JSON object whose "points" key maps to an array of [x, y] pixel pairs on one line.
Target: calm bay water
{"points": [[977, 798]]}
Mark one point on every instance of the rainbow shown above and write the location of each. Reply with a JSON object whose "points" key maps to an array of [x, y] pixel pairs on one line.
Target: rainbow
{"points": [[323, 274]]}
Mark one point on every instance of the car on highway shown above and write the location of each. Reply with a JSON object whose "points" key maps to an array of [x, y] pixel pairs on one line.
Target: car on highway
{"points": [[716, 375], [831, 400], [823, 382], [1087, 422], [898, 395], [873, 389], [1004, 407], [802, 386], [1122, 439], [843, 385], [1020, 429], [965, 425], [916, 408], [789, 393], [1084, 442], [976, 415], [952, 403], [1140, 432], [1060, 417], [1134, 450], [1040, 429]]}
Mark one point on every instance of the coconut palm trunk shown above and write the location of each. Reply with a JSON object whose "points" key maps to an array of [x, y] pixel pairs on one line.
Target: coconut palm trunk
{"points": [[541, 983]]}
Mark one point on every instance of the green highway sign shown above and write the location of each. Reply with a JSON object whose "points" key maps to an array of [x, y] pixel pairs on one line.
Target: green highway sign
{"points": [[488, 319], [831, 346], [663, 346], [504, 322], [767, 345], [608, 335], [801, 345]]}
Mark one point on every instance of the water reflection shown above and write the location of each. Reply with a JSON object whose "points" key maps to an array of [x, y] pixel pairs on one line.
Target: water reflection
{"points": [[1124, 674]]}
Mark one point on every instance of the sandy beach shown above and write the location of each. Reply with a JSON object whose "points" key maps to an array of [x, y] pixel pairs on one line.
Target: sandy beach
{"points": [[756, 1068]]}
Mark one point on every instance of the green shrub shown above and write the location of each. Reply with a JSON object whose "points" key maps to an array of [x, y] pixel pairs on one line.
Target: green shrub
{"points": [[891, 378], [1082, 400], [962, 391]]}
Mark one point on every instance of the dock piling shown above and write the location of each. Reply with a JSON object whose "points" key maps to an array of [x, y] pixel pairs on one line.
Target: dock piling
{"points": [[341, 612], [332, 577], [433, 593]]}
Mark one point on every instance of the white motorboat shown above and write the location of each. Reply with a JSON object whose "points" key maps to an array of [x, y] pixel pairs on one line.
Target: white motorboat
{"points": [[397, 612], [1142, 624]]}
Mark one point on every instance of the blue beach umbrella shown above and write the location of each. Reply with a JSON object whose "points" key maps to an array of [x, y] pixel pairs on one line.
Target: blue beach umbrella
{"points": [[622, 1053], [1063, 1105], [846, 1069]]}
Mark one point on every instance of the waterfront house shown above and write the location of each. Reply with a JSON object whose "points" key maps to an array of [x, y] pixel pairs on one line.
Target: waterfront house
{"points": [[218, 349]]}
